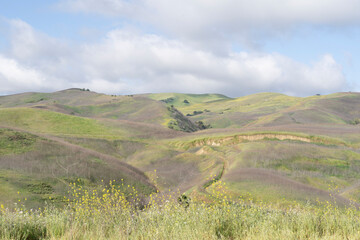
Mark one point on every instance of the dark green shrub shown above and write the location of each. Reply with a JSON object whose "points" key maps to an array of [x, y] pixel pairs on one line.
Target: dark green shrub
{"points": [[184, 201]]}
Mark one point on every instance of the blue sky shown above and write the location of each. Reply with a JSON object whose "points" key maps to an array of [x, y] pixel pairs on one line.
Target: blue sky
{"points": [[224, 46]]}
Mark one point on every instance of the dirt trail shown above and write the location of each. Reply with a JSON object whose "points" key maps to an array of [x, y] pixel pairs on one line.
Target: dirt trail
{"points": [[138, 174], [250, 137], [202, 187]]}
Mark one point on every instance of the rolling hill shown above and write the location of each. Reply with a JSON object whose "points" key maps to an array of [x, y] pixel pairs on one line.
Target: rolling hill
{"points": [[266, 147]]}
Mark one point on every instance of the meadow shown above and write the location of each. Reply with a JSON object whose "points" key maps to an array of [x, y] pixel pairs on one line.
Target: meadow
{"points": [[110, 214], [76, 164]]}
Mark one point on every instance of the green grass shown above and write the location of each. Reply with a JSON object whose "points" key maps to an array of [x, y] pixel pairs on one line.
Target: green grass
{"points": [[317, 164], [271, 109], [45, 164], [317, 154], [121, 149], [256, 103], [43, 121], [262, 192], [67, 97], [177, 99], [12, 142], [24, 99], [37, 97], [35, 189], [110, 215], [129, 108]]}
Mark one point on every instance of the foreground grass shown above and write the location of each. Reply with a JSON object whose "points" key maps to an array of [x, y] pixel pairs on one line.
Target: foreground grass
{"points": [[109, 214]]}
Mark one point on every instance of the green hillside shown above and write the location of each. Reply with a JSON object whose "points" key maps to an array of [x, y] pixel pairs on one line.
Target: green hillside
{"points": [[180, 100], [38, 168], [73, 97], [267, 147], [89, 104], [270, 109], [43, 121]]}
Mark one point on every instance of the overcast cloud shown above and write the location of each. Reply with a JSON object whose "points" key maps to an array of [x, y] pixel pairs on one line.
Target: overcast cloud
{"points": [[192, 54], [126, 62], [210, 22]]}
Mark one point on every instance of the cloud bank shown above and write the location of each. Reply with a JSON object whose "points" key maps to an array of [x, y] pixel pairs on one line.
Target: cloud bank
{"points": [[126, 62], [210, 22]]}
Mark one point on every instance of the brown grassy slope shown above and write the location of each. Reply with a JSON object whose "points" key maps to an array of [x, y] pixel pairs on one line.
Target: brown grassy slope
{"points": [[57, 157], [140, 119], [91, 104], [272, 178], [334, 109], [257, 110], [74, 97], [268, 109]]}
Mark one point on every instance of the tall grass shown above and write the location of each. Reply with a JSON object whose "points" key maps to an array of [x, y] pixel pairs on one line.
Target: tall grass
{"points": [[108, 213]]}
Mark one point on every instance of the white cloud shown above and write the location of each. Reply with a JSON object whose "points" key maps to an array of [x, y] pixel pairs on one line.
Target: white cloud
{"points": [[240, 12], [208, 22], [29, 45], [15, 77], [127, 62], [108, 7], [39, 51], [158, 64]]}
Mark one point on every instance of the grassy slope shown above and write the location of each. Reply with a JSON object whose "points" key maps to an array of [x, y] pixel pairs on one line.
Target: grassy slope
{"points": [[43, 121], [239, 111], [308, 167], [258, 172], [38, 168], [177, 99], [269, 109], [134, 108], [91, 104], [74, 97], [180, 100], [127, 127]]}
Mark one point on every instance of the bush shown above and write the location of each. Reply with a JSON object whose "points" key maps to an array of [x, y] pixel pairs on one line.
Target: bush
{"points": [[355, 121]]}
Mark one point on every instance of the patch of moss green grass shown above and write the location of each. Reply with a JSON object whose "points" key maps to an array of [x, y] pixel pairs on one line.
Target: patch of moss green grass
{"points": [[31, 190], [117, 148], [43, 121], [261, 192], [34, 191], [180, 100], [36, 97], [262, 103], [12, 142]]}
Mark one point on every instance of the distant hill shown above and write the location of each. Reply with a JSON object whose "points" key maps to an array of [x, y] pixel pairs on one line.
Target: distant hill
{"points": [[270, 109], [267, 146]]}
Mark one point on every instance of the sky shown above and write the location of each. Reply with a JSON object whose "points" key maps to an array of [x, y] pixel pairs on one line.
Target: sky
{"points": [[232, 47]]}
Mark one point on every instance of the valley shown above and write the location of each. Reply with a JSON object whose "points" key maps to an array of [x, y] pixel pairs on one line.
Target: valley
{"points": [[273, 147]]}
